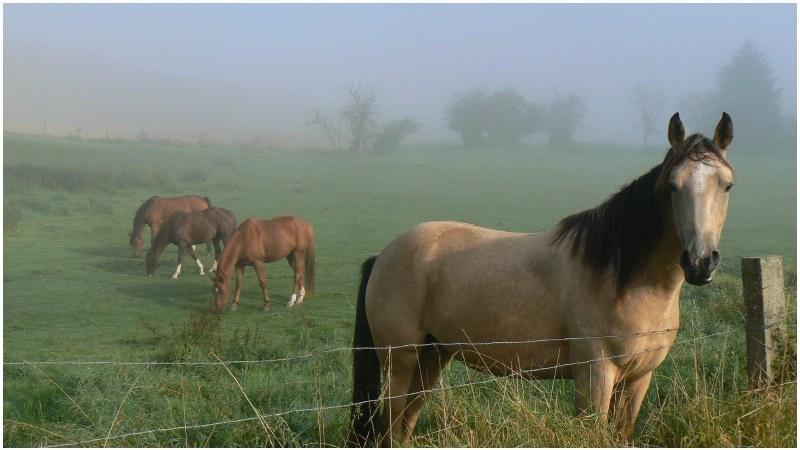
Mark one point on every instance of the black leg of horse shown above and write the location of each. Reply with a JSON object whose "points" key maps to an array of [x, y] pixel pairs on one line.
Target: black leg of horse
{"points": [[180, 262], [192, 253], [217, 253]]}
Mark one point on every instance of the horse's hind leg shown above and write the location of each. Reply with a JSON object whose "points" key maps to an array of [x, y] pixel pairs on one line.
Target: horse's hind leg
{"points": [[262, 280], [427, 375], [297, 263], [399, 366]]}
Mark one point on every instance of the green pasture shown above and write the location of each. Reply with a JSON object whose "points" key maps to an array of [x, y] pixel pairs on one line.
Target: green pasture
{"points": [[72, 291]]}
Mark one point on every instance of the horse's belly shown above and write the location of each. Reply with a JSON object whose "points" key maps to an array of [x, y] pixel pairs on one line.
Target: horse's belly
{"points": [[540, 361]]}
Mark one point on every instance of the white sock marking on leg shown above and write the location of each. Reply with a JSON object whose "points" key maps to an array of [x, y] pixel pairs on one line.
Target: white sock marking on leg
{"points": [[177, 272], [302, 294], [292, 301], [200, 265]]}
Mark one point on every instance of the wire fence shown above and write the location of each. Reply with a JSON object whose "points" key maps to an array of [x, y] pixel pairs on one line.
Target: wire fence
{"points": [[318, 353], [320, 408]]}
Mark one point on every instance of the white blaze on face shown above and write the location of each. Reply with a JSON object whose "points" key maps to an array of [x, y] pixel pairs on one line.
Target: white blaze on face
{"points": [[699, 206], [699, 182]]}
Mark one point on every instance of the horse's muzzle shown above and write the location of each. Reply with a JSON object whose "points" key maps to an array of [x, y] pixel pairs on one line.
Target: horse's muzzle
{"points": [[699, 270]]}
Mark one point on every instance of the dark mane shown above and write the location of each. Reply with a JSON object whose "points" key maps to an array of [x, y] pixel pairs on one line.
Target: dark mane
{"points": [[622, 232]]}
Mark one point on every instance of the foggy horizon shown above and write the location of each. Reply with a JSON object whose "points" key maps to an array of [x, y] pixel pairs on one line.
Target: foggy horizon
{"points": [[237, 71]]}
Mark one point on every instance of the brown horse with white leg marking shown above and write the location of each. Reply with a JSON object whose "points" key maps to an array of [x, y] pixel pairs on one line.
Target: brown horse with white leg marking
{"points": [[613, 272], [155, 211], [185, 229], [261, 241]]}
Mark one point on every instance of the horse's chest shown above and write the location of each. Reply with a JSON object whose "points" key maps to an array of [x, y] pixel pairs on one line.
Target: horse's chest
{"points": [[639, 354]]}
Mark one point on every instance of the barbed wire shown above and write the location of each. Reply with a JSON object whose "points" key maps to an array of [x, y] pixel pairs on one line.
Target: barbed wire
{"points": [[338, 349], [492, 379]]}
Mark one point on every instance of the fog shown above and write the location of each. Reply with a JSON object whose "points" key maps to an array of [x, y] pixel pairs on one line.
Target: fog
{"points": [[236, 71]]}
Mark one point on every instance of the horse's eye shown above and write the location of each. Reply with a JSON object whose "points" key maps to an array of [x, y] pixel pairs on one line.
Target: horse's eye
{"points": [[673, 187], [729, 187]]}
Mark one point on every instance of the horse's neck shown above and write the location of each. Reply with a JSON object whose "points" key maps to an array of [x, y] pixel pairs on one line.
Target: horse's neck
{"points": [[228, 260], [138, 225], [661, 274]]}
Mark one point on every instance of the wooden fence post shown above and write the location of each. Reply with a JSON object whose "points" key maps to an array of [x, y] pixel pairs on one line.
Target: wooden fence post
{"points": [[766, 314]]}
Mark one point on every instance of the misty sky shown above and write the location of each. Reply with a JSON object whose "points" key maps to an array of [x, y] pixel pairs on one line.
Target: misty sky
{"points": [[239, 70]]}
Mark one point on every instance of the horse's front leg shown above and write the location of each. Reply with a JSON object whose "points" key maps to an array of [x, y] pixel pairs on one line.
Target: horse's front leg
{"points": [[217, 252], [154, 227], [190, 250], [594, 387], [262, 281], [627, 401], [180, 262], [239, 283]]}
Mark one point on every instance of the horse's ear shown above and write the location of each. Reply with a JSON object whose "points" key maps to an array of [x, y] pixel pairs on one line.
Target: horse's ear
{"points": [[676, 133], [723, 135]]}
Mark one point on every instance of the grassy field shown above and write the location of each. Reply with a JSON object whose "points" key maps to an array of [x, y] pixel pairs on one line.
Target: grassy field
{"points": [[73, 292]]}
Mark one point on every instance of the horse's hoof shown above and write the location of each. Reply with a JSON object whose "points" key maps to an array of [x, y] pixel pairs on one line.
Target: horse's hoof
{"points": [[174, 277], [290, 304], [234, 307], [267, 309]]}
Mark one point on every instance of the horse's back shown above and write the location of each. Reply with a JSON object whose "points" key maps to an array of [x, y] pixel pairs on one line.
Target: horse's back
{"points": [[272, 239], [454, 282], [161, 208]]}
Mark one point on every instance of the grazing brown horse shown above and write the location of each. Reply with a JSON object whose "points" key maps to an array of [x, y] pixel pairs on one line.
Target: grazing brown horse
{"points": [[261, 241], [613, 272], [155, 211], [185, 229]]}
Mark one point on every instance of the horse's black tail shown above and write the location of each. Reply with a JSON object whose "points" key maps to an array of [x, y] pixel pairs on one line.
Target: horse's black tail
{"points": [[366, 372]]}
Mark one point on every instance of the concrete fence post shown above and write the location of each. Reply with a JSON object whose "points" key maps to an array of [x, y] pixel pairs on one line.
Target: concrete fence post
{"points": [[766, 314]]}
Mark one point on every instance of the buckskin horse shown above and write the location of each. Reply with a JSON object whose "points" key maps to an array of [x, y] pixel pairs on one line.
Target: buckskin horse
{"points": [[155, 211], [184, 229], [613, 272], [261, 241]]}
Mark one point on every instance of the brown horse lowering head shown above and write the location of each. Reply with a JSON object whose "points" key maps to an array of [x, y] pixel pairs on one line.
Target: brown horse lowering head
{"points": [[221, 290], [699, 179], [137, 242]]}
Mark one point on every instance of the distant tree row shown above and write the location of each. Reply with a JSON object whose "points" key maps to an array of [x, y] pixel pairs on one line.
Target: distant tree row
{"points": [[502, 119], [356, 123], [745, 89]]}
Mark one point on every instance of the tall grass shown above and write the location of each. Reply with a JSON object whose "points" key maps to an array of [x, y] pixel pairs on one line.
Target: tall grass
{"points": [[703, 403]]}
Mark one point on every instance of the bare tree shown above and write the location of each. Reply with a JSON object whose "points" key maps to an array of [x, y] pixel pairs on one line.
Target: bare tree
{"points": [[649, 104], [329, 126], [359, 115]]}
